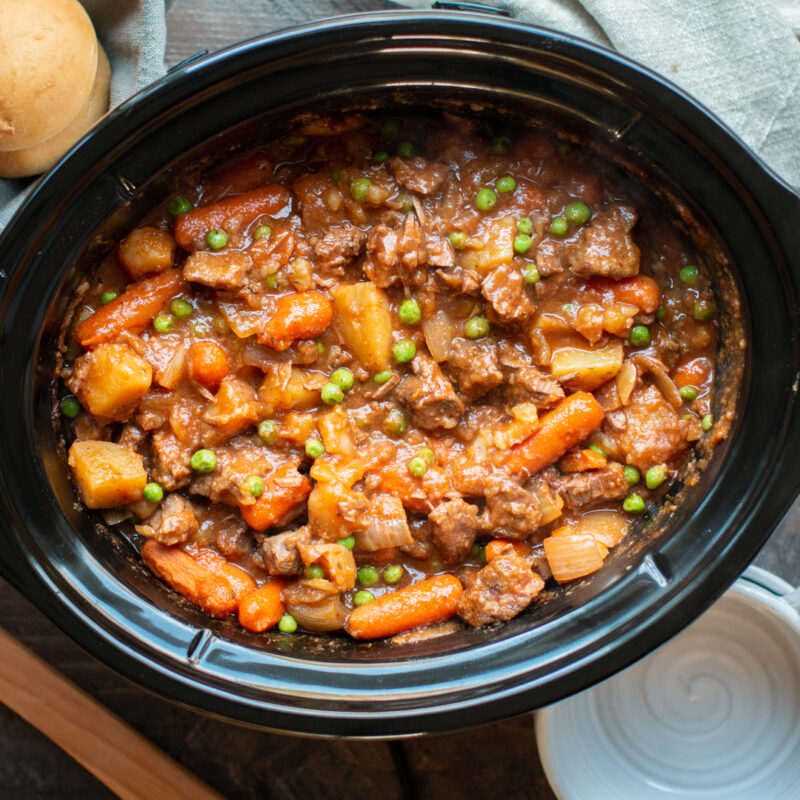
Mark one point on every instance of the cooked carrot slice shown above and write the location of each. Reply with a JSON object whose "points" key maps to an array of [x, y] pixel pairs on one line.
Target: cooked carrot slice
{"points": [[283, 490], [261, 609], [302, 315]]}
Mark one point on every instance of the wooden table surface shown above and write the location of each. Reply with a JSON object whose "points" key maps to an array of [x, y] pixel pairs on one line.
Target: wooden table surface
{"points": [[493, 761]]}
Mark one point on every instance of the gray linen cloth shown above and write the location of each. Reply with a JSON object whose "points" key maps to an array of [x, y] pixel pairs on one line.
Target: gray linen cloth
{"points": [[741, 58]]}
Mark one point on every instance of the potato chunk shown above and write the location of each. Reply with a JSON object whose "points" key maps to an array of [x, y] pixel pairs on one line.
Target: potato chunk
{"points": [[362, 316], [586, 368], [147, 250], [499, 247], [107, 474], [110, 381]]}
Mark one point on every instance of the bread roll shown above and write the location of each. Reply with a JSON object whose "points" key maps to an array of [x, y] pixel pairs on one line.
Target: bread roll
{"points": [[47, 68], [42, 156]]}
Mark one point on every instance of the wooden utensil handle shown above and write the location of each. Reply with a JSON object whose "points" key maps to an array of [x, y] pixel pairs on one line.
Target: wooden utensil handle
{"points": [[124, 760]]}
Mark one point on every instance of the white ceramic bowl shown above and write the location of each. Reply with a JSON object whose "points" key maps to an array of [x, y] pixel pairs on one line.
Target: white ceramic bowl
{"points": [[714, 713]]}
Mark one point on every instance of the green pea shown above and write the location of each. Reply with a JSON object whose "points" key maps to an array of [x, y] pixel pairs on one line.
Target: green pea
{"points": [[458, 239], [687, 393], [203, 460], [348, 542], [392, 573], [380, 156], [418, 466], [404, 350], [524, 225], [293, 140], [689, 274], [410, 313], [564, 147], [382, 377], [522, 243], [633, 504], [70, 407], [506, 184], [287, 624], [314, 448], [216, 239], [485, 199], [320, 348], [632, 475], [332, 394], [314, 571], [577, 213], [343, 378], [267, 431], [179, 205], [359, 188], [262, 232], [108, 296], [406, 150], [655, 476], [476, 327], [435, 564], [181, 308], [201, 328], [362, 597], [153, 492], [336, 174], [531, 273], [390, 128], [427, 454], [640, 336], [163, 322], [272, 281], [704, 310], [394, 423], [254, 485], [708, 421], [597, 449], [500, 145], [558, 226], [660, 313], [367, 576]]}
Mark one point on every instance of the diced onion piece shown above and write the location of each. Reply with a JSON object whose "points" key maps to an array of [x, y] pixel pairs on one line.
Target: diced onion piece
{"points": [[661, 378], [243, 321], [170, 375], [588, 368], [439, 331], [606, 526], [388, 526], [626, 381], [316, 605], [299, 273], [572, 556], [377, 194], [333, 199], [550, 503]]}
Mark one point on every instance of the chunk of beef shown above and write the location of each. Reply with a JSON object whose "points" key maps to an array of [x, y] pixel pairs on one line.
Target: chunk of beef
{"points": [[396, 254], [422, 546], [461, 280], [232, 537], [548, 257], [171, 461], [281, 554], [418, 174], [440, 251], [503, 588], [228, 270], [430, 396], [652, 432], [531, 385], [173, 522], [512, 512], [504, 288], [236, 462], [605, 246], [474, 368], [131, 436], [455, 525], [584, 489], [338, 246]]}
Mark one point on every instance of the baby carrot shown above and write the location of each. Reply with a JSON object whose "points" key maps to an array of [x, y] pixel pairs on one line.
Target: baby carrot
{"points": [[231, 214], [261, 609], [425, 603], [302, 315], [243, 175], [209, 592], [131, 311], [208, 363], [639, 290], [582, 460], [283, 490], [570, 422], [241, 583]]}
